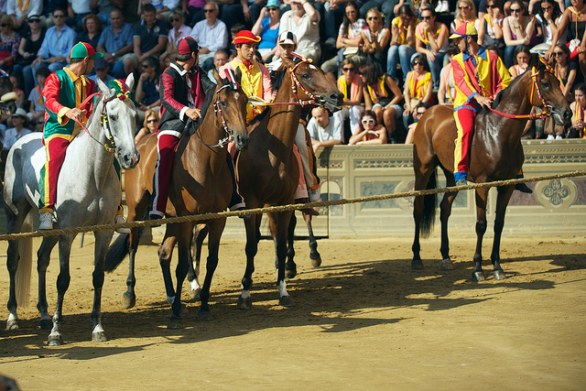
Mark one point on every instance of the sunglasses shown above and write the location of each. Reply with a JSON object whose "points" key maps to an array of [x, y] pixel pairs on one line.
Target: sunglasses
{"points": [[425, 17], [463, 8], [151, 121], [558, 53], [273, 9], [59, 16], [348, 69], [34, 20], [372, 18], [546, 8], [417, 63], [369, 121], [420, 112], [515, 10], [208, 10]]}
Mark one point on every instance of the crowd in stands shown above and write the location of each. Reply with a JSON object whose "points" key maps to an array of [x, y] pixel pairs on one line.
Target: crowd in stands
{"points": [[390, 58]]}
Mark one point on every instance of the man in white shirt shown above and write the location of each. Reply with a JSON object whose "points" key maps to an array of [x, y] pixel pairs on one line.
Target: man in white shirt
{"points": [[211, 34], [325, 130], [303, 21], [19, 119]]}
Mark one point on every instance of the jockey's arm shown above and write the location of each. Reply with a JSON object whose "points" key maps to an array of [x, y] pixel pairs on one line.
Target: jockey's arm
{"points": [[177, 108]]}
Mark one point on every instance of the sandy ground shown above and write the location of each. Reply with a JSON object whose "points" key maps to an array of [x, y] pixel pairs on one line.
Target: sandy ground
{"points": [[362, 321]]}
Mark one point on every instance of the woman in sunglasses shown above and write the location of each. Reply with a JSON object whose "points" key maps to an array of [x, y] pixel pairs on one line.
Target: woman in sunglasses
{"points": [[9, 42], [402, 42], [492, 27], [431, 40], [369, 131], [150, 125], [418, 88], [350, 85], [375, 38], [466, 13], [548, 17], [565, 70], [518, 29], [267, 28]]}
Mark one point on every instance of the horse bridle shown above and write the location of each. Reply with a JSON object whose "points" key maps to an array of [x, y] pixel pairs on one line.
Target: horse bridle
{"points": [[296, 84], [219, 113]]}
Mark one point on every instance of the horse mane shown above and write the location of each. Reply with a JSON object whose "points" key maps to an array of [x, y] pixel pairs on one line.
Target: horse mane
{"points": [[503, 93]]}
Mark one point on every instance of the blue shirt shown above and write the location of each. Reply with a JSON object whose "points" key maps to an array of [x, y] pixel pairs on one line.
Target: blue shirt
{"points": [[57, 44], [113, 42], [268, 36], [150, 38]]}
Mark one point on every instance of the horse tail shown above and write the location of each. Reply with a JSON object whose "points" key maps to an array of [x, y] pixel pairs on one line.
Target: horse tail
{"points": [[429, 207], [117, 252], [25, 264]]}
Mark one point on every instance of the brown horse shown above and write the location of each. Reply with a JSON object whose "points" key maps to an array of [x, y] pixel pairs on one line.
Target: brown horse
{"points": [[201, 183], [267, 170], [496, 154]]}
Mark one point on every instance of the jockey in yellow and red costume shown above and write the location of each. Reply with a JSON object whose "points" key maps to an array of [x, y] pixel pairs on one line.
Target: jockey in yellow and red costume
{"points": [[479, 75]]}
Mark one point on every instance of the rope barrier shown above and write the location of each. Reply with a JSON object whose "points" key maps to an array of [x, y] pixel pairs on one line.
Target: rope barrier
{"points": [[283, 208]]}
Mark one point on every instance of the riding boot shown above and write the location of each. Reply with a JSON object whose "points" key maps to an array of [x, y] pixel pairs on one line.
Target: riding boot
{"points": [[166, 147], [236, 201]]}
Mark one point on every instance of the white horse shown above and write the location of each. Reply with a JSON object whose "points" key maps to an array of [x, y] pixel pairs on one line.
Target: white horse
{"points": [[88, 193]]}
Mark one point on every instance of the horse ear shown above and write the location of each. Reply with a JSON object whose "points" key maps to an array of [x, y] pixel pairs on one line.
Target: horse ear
{"points": [[535, 61], [238, 75], [103, 87], [129, 81], [217, 77]]}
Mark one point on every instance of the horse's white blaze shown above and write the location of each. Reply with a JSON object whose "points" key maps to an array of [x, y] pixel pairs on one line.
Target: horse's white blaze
{"points": [[283, 289]]}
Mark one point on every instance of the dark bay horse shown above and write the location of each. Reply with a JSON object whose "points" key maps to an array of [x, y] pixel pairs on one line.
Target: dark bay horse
{"points": [[268, 170], [201, 183], [496, 154]]}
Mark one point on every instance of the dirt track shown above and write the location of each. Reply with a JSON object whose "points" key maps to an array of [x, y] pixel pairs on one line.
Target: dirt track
{"points": [[362, 321]]}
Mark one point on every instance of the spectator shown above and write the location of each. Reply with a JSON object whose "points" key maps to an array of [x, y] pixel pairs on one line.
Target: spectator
{"points": [[104, 7], [163, 7], [466, 13], [20, 11], [9, 42], [431, 40], [375, 39], [267, 27], [578, 108], [35, 98], [521, 61], [149, 125], [19, 129], [418, 88], [418, 112], [384, 7], [193, 11], [383, 96], [92, 30], [77, 10], [324, 130], [565, 70], [178, 30], [548, 19], [446, 90], [303, 21], [573, 24], [518, 29], [56, 45], [30, 43], [350, 86], [147, 88], [492, 27], [220, 59], [116, 42], [150, 38], [369, 131], [402, 42], [211, 34], [102, 68]]}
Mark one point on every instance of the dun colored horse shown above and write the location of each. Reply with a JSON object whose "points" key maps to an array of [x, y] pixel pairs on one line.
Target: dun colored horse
{"points": [[496, 154], [267, 170], [201, 183], [88, 193]]}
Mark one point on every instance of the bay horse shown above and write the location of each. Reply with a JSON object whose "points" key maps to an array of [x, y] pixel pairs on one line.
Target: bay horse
{"points": [[201, 183], [88, 193], [267, 170], [496, 154]]}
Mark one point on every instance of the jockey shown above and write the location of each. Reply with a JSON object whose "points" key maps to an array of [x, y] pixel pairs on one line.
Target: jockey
{"points": [[479, 76], [63, 93], [183, 89]]}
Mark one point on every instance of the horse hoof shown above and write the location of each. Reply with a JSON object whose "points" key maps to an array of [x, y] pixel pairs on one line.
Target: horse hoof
{"points": [[46, 324], [175, 323], [286, 301], [499, 275], [12, 325], [128, 300], [291, 273], [315, 259], [244, 304], [99, 337], [416, 264], [447, 264], [478, 276], [55, 340], [204, 316]]}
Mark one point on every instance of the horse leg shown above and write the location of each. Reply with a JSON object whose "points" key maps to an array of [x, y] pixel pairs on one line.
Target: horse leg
{"points": [[201, 231], [165, 254], [101, 247], [183, 234], [445, 213], [314, 255], [423, 210], [290, 267], [252, 237], [63, 281], [481, 199], [279, 223], [215, 228], [44, 257], [503, 198]]}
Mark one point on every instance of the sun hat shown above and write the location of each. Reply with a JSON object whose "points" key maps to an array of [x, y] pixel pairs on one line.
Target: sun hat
{"points": [[463, 30], [245, 36], [20, 113], [273, 4], [187, 45], [83, 50], [287, 38]]}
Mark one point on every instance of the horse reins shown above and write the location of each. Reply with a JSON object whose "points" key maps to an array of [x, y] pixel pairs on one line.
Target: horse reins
{"points": [[218, 112]]}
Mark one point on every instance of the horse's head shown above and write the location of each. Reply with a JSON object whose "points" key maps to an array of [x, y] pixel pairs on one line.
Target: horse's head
{"points": [[311, 83], [547, 93], [230, 108], [118, 119]]}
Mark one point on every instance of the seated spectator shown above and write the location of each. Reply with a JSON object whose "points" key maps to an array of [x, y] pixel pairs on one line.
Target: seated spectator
{"points": [[19, 129], [211, 34], [350, 86], [324, 129], [20, 11], [35, 98], [29, 46], [9, 42], [220, 59], [565, 69], [446, 90], [267, 27], [178, 30], [492, 27], [548, 18], [431, 40], [91, 30], [149, 125], [518, 29], [116, 42], [521, 62], [194, 11], [369, 131], [163, 8], [383, 96], [150, 37], [58, 41], [147, 88], [77, 11], [102, 68], [417, 114], [402, 43], [418, 88], [375, 39], [578, 108], [303, 21], [466, 13]]}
